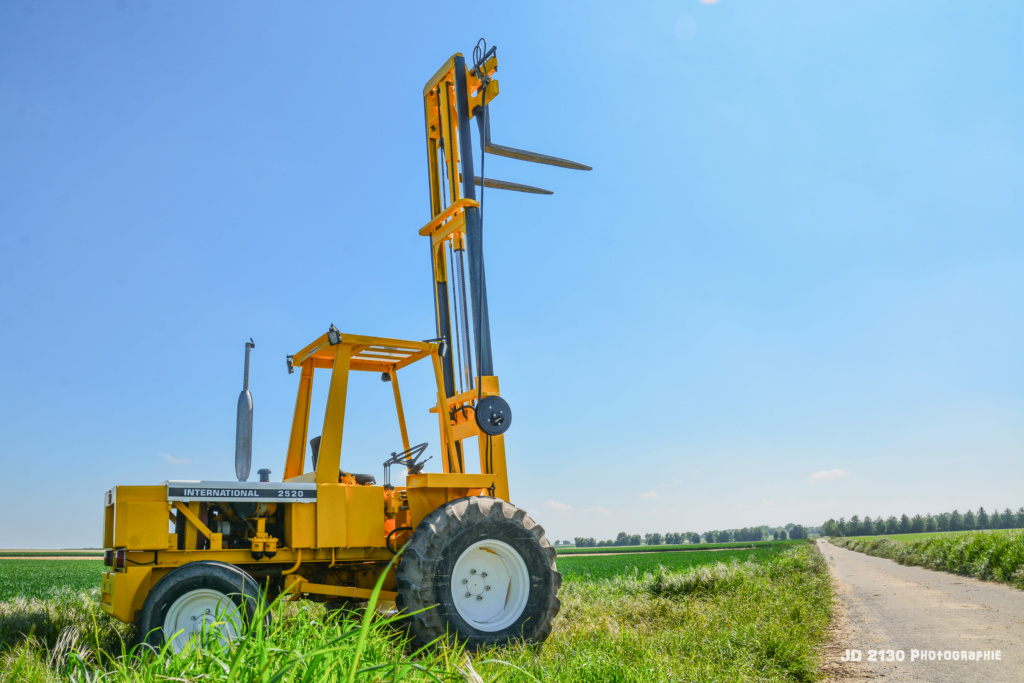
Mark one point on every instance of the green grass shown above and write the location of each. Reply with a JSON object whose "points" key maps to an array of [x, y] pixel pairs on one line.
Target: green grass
{"points": [[731, 615], [45, 578], [986, 555], [932, 534], [712, 621], [51, 553], [609, 566], [683, 547]]}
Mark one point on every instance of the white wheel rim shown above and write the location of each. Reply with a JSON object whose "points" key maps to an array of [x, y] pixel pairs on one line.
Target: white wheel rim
{"points": [[200, 616], [490, 585]]}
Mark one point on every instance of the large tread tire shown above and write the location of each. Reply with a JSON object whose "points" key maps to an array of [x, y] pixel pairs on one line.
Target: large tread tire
{"points": [[228, 579], [425, 571]]}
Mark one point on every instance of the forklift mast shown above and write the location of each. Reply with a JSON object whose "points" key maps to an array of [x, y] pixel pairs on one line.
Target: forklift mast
{"points": [[453, 202], [454, 96]]}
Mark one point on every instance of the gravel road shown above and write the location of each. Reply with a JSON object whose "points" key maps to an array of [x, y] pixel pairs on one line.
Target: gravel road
{"points": [[886, 606]]}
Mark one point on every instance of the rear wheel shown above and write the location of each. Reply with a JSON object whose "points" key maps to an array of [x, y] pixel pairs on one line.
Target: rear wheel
{"points": [[199, 603], [485, 571]]}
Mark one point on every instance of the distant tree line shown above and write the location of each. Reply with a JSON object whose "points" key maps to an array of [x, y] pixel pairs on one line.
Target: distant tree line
{"points": [[745, 535], [622, 539], [760, 533], [947, 521]]}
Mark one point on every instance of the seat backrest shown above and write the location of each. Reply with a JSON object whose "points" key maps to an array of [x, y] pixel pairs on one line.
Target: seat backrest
{"points": [[314, 446]]}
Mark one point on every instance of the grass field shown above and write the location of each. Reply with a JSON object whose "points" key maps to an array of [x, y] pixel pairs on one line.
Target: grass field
{"points": [[683, 547], [987, 555], [50, 553], [583, 568], [755, 614], [46, 578], [903, 538]]}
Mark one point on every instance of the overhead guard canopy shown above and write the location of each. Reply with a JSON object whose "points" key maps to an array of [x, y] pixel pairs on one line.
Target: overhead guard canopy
{"points": [[371, 354]]}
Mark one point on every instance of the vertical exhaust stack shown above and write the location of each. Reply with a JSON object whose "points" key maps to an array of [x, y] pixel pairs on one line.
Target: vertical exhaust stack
{"points": [[243, 425]]}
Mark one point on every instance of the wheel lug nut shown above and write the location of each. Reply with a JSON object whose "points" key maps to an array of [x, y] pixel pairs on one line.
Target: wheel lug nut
{"points": [[465, 581], [468, 595], [483, 574], [479, 597], [487, 588], [472, 571]]}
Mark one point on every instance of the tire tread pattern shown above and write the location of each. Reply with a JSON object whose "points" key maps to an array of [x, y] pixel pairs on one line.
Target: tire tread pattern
{"points": [[424, 573]]}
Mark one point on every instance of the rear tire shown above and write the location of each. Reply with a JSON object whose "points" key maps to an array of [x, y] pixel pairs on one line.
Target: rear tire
{"points": [[486, 572], [214, 598]]}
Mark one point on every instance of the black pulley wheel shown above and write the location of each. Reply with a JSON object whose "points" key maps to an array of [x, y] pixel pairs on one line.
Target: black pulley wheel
{"points": [[493, 415], [480, 571]]}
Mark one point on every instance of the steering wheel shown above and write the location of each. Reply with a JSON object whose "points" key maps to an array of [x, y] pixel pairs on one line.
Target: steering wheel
{"points": [[407, 457]]}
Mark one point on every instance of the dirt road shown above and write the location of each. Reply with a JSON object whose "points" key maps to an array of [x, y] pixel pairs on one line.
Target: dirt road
{"points": [[886, 606]]}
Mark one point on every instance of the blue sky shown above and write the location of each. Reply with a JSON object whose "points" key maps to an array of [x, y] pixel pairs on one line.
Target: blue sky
{"points": [[791, 288]]}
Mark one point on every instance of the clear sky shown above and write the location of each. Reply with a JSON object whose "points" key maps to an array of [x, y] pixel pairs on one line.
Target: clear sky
{"points": [[791, 288]]}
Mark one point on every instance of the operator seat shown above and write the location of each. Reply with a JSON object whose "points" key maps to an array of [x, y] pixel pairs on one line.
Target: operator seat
{"points": [[361, 479]]}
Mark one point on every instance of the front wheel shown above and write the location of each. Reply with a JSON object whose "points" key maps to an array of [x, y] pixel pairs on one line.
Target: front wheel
{"points": [[483, 572], [198, 602]]}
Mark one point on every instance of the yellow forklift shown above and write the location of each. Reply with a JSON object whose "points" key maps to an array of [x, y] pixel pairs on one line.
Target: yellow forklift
{"points": [[187, 559]]}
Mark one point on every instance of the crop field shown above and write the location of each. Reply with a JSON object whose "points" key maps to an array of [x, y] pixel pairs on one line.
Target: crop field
{"points": [[903, 538], [45, 578], [682, 547], [986, 555], [51, 553], [755, 614], [609, 566]]}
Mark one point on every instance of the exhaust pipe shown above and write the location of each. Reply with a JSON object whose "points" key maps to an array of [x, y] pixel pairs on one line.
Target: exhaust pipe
{"points": [[243, 425]]}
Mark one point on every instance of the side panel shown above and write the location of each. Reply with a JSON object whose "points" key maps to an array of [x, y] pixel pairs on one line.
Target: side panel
{"points": [[365, 516], [140, 526], [140, 494], [348, 516], [331, 516], [299, 526], [139, 518]]}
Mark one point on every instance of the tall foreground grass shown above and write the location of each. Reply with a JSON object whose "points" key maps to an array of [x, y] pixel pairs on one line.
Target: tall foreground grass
{"points": [[982, 554], [715, 622]]}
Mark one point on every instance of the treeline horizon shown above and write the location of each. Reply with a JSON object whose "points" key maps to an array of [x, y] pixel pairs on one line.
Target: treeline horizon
{"points": [[744, 535], [946, 521]]}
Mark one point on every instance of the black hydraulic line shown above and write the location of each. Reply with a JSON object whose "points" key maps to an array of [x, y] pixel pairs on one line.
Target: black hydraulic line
{"points": [[444, 330], [387, 541], [474, 235], [479, 60], [464, 302], [455, 310]]}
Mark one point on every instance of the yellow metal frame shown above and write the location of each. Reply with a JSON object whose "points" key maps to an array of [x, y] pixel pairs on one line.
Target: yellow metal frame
{"points": [[348, 523], [384, 355]]}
